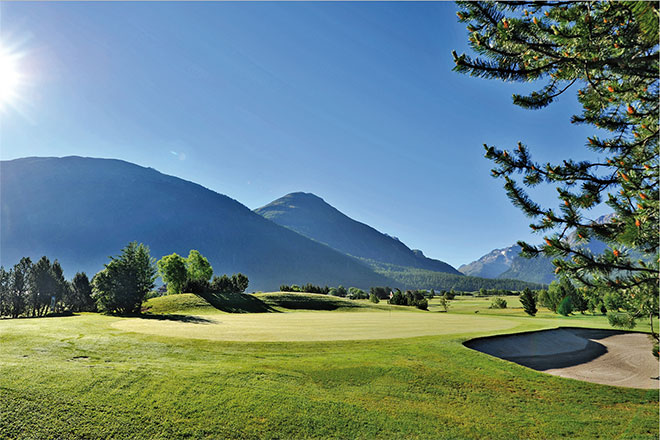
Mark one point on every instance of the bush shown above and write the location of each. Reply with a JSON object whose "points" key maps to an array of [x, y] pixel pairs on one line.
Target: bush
{"points": [[422, 304], [355, 293], [565, 306], [374, 299], [497, 303], [444, 303], [198, 287]]}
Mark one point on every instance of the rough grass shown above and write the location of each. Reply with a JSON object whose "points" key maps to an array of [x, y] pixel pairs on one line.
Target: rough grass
{"points": [[82, 377]]}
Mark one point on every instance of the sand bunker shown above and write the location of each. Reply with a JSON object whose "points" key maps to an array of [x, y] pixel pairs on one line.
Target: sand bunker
{"points": [[608, 357]]}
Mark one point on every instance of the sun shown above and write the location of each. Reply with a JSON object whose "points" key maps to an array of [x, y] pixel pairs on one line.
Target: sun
{"points": [[10, 76]]}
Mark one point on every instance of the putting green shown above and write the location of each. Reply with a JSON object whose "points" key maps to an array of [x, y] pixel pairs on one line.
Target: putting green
{"points": [[315, 326]]}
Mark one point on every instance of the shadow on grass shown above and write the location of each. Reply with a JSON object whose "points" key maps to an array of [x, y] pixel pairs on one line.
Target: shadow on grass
{"points": [[237, 303], [48, 315], [295, 301], [174, 317]]}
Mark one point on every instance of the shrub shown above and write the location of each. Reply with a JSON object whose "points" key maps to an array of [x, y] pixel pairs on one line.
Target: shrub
{"points": [[497, 303], [198, 287], [374, 299], [444, 303], [355, 293], [565, 306], [422, 304]]}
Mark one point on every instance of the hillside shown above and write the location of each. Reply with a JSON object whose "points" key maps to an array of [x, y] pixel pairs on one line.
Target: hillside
{"points": [[507, 263], [492, 264], [428, 279], [312, 217], [81, 210]]}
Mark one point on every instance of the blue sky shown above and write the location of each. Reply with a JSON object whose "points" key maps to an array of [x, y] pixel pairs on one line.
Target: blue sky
{"points": [[355, 102]]}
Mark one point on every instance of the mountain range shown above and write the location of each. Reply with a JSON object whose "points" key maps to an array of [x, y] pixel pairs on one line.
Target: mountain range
{"points": [[82, 210], [506, 263], [312, 217]]}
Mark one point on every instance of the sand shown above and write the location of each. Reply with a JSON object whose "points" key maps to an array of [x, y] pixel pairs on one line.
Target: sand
{"points": [[607, 357]]}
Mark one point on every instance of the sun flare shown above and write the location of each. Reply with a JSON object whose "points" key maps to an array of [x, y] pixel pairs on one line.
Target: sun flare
{"points": [[10, 76]]}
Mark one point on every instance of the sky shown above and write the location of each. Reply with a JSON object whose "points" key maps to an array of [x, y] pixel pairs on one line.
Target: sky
{"points": [[354, 102]]}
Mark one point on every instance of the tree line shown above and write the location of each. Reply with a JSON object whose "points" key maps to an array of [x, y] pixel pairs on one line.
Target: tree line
{"points": [[37, 289], [340, 291]]}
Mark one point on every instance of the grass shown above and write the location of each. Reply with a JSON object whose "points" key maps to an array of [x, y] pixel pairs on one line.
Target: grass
{"points": [[87, 377]]}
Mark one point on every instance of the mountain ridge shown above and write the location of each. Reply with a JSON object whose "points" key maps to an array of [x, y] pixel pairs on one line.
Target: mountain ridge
{"points": [[311, 216], [80, 210]]}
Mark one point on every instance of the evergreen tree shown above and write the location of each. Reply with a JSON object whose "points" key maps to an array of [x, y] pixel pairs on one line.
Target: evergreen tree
{"points": [[82, 293], [5, 277], [19, 288], [43, 286], [62, 286], [528, 301], [239, 282], [609, 51], [125, 281]]}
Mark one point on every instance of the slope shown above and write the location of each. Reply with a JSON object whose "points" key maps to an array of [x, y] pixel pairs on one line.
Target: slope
{"points": [[81, 210], [312, 217]]}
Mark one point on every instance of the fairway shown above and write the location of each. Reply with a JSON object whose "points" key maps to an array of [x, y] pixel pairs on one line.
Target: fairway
{"points": [[355, 372], [315, 326]]}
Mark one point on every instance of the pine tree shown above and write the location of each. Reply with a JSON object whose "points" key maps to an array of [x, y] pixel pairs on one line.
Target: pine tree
{"points": [[609, 51], [528, 301]]}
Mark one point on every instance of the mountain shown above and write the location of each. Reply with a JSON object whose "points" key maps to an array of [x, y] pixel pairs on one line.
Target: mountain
{"points": [[312, 217], [81, 210], [492, 264], [507, 263]]}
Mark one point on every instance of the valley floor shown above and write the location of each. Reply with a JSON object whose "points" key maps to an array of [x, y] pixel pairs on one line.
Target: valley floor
{"points": [[358, 372]]}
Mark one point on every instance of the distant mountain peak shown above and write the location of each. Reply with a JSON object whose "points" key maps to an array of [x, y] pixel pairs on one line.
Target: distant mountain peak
{"points": [[109, 202], [311, 216]]}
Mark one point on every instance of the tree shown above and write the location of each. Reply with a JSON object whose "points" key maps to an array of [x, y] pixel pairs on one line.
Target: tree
{"points": [[444, 302], [565, 306], [62, 286], [19, 287], [43, 287], [374, 298], [609, 50], [223, 284], [239, 282], [82, 294], [172, 269], [198, 267], [497, 303], [125, 281], [5, 277], [528, 301]]}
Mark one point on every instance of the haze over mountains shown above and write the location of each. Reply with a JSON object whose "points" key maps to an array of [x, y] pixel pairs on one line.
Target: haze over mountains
{"points": [[506, 263], [81, 210], [312, 217]]}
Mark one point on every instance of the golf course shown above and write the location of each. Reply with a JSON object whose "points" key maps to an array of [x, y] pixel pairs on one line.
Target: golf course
{"points": [[310, 366]]}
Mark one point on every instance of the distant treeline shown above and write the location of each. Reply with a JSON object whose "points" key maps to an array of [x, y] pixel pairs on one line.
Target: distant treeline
{"points": [[36, 289], [427, 279], [416, 298], [340, 291]]}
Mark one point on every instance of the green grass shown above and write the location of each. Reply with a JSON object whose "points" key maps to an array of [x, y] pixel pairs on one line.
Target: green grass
{"points": [[87, 377]]}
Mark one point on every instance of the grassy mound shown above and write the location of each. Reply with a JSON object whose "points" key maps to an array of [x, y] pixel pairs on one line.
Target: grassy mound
{"points": [[311, 301], [186, 302], [212, 303]]}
